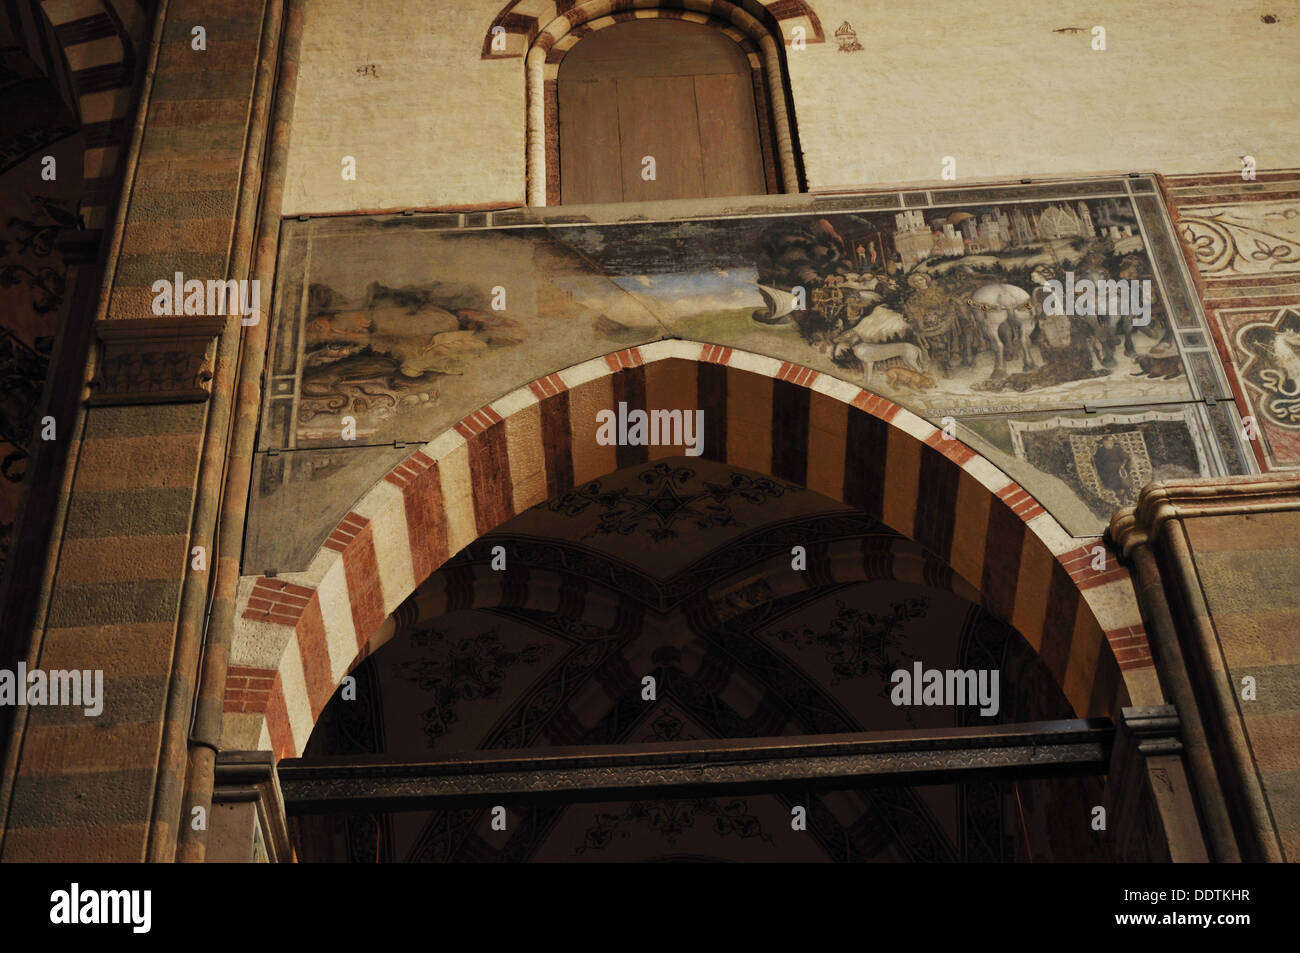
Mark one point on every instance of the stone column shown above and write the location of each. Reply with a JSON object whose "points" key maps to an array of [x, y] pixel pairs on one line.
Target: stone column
{"points": [[128, 593], [1149, 798], [1216, 563], [248, 822]]}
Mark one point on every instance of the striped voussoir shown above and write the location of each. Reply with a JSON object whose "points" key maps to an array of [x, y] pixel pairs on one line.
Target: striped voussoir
{"points": [[556, 50], [518, 28], [974, 529], [101, 42]]}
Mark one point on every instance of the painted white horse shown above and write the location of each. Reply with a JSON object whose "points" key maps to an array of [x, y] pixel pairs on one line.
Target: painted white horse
{"points": [[1005, 314]]}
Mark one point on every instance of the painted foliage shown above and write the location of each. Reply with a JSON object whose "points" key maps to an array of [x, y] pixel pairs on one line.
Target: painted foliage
{"points": [[32, 277], [1271, 365]]}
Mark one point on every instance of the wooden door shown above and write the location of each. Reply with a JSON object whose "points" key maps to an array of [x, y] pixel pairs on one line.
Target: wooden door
{"points": [[675, 91]]}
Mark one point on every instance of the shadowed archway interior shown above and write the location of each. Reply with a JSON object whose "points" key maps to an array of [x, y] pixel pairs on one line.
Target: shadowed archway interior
{"points": [[666, 570]]}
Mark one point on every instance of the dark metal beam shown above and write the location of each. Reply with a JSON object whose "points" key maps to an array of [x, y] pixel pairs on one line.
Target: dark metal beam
{"points": [[683, 769]]}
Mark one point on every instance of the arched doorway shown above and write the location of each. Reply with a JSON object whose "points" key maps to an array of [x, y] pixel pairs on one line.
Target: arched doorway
{"points": [[545, 39], [299, 634], [538, 638], [980, 534], [657, 109]]}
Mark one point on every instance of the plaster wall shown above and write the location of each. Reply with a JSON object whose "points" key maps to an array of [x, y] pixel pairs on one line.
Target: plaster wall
{"points": [[1186, 86]]}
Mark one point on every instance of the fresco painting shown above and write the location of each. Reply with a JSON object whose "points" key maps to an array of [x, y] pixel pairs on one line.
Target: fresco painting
{"points": [[1107, 460], [406, 331], [1272, 365], [1243, 241], [298, 497], [398, 327], [1265, 344], [938, 310]]}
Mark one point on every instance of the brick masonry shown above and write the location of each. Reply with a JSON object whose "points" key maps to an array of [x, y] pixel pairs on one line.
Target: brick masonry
{"points": [[1215, 564], [1246, 568]]}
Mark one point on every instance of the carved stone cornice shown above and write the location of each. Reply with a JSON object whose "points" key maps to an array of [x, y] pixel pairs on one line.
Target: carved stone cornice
{"points": [[155, 360], [1182, 499]]}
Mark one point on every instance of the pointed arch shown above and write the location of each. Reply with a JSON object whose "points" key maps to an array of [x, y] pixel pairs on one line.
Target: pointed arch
{"points": [[298, 635]]}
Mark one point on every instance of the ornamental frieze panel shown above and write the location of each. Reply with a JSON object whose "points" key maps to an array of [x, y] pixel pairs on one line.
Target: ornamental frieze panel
{"points": [[1255, 238]]}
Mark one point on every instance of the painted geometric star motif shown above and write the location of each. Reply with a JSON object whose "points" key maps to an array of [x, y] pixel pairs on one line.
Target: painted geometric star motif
{"points": [[461, 670], [859, 643], [665, 502]]}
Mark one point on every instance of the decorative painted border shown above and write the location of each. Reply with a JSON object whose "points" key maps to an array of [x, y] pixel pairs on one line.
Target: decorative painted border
{"points": [[307, 630], [1224, 292]]}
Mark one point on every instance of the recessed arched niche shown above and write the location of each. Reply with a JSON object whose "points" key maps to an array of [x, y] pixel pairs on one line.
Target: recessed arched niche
{"points": [[657, 109]]}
